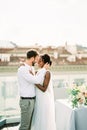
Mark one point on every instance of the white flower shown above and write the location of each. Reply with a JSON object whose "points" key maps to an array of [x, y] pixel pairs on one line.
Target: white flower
{"points": [[82, 88], [78, 95]]}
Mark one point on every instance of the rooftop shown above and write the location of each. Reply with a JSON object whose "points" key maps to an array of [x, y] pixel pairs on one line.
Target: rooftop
{"points": [[7, 44]]}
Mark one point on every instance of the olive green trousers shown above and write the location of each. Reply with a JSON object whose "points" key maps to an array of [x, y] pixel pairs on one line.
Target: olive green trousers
{"points": [[27, 108]]}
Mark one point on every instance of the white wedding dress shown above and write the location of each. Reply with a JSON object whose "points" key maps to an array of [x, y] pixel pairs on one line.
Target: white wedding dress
{"points": [[44, 112]]}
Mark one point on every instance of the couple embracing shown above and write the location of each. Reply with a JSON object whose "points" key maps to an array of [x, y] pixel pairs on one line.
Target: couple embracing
{"points": [[36, 93]]}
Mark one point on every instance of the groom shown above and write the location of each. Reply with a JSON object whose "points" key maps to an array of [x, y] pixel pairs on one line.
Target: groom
{"points": [[27, 89]]}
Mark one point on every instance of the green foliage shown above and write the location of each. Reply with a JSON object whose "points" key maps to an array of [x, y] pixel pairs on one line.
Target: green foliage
{"points": [[74, 92], [78, 95]]}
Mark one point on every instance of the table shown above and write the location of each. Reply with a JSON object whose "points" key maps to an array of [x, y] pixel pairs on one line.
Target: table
{"points": [[68, 118]]}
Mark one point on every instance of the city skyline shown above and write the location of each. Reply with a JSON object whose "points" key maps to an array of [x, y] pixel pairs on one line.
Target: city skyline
{"points": [[8, 44], [48, 22]]}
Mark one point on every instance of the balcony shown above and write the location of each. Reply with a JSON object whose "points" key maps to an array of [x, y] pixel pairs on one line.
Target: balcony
{"points": [[9, 97]]}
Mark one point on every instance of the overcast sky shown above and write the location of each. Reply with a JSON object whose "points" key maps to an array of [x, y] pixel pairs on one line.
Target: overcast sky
{"points": [[51, 22]]}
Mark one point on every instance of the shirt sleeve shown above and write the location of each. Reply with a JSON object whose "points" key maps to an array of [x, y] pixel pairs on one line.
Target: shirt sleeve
{"points": [[35, 79]]}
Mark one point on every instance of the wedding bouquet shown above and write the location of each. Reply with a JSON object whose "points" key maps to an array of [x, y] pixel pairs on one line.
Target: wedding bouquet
{"points": [[78, 95]]}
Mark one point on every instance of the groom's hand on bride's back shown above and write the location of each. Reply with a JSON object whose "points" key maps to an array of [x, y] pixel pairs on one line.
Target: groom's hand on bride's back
{"points": [[46, 66]]}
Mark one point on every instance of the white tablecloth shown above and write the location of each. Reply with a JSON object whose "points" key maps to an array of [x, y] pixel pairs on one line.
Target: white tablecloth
{"points": [[68, 118]]}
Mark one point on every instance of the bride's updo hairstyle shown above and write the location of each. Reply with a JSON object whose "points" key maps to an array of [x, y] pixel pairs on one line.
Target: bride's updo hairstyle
{"points": [[46, 59]]}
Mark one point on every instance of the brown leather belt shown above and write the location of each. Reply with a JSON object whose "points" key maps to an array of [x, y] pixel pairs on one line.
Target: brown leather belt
{"points": [[27, 97]]}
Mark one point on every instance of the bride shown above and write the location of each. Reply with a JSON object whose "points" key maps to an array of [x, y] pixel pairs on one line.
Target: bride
{"points": [[44, 112]]}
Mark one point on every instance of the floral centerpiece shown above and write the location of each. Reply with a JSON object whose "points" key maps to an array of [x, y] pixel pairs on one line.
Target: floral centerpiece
{"points": [[78, 95]]}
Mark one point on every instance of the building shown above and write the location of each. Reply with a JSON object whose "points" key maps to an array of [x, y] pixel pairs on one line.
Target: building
{"points": [[11, 54]]}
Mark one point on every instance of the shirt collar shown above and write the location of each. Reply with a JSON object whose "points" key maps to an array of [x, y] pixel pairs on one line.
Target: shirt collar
{"points": [[28, 66]]}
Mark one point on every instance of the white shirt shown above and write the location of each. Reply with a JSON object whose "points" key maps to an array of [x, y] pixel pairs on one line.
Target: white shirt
{"points": [[26, 81]]}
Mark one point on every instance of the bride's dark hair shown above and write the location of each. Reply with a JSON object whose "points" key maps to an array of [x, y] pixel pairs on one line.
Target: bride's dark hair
{"points": [[46, 59]]}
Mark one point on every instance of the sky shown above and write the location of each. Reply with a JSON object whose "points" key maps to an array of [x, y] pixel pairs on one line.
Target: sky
{"points": [[46, 22]]}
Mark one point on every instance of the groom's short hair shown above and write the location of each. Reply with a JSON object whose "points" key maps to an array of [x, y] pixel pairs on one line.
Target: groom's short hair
{"points": [[31, 53]]}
